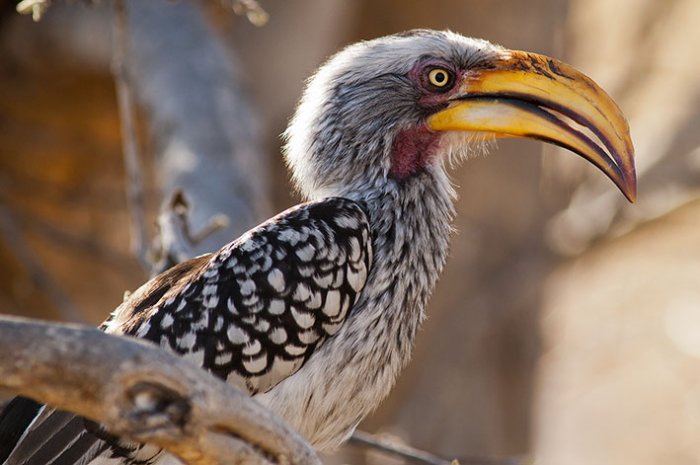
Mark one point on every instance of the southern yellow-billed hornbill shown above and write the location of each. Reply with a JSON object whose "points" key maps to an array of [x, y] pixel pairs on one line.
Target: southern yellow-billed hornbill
{"points": [[314, 312]]}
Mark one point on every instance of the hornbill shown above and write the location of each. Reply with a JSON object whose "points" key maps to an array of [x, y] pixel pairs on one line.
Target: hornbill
{"points": [[314, 311]]}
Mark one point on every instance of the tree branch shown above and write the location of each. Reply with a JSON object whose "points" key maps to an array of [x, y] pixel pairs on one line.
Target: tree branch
{"points": [[36, 8], [145, 394], [177, 240], [414, 455]]}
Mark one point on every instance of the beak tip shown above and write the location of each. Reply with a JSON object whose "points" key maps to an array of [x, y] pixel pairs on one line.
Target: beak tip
{"points": [[629, 188]]}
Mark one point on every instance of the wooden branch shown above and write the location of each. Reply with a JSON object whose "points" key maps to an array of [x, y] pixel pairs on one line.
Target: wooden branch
{"points": [[389, 447], [144, 394], [36, 8], [414, 455], [176, 239]]}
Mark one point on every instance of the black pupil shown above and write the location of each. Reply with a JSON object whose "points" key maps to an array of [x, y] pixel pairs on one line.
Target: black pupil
{"points": [[440, 77]]}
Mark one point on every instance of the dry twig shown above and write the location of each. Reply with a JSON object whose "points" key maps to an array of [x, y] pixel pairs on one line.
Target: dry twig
{"points": [[414, 455], [177, 239], [34, 7], [144, 394]]}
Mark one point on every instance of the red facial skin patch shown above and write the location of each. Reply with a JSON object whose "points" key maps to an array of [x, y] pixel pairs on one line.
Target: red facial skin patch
{"points": [[412, 150]]}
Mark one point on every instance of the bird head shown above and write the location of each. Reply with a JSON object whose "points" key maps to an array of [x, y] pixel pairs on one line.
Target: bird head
{"points": [[385, 111]]}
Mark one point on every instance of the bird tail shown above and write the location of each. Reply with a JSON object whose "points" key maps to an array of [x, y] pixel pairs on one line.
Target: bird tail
{"points": [[15, 418], [33, 434]]}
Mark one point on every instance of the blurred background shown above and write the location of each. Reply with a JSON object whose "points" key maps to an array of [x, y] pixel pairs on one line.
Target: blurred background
{"points": [[566, 327]]}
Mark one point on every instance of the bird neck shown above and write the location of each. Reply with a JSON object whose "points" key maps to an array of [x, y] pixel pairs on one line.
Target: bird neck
{"points": [[411, 225]]}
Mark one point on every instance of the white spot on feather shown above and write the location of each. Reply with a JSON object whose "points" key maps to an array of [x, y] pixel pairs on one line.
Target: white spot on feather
{"points": [[277, 307], [355, 249], [344, 307], [309, 337], [332, 308], [252, 348], [278, 335], [303, 319], [262, 326], [324, 280], [255, 365], [246, 286], [143, 329], [357, 279], [345, 221], [291, 236], [301, 293], [306, 253], [187, 341], [294, 350], [333, 250], [249, 245], [276, 279], [223, 357], [236, 335], [338, 278], [267, 263], [315, 302], [239, 269], [167, 321], [209, 289], [210, 301]]}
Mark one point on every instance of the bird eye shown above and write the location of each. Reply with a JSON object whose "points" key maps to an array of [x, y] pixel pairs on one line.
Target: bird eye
{"points": [[439, 77]]}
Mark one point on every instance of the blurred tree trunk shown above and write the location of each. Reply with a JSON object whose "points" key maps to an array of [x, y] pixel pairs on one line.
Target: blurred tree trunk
{"points": [[204, 129]]}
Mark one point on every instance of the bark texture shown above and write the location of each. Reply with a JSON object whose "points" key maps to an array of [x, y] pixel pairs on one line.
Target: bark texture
{"points": [[144, 394]]}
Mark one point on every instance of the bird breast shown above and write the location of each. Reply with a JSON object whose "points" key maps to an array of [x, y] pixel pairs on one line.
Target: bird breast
{"points": [[352, 371]]}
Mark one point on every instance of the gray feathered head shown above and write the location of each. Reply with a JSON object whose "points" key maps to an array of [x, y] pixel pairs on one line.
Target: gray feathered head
{"points": [[383, 111]]}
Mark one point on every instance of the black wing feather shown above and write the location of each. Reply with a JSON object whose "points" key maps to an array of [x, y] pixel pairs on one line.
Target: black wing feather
{"points": [[14, 419], [263, 303]]}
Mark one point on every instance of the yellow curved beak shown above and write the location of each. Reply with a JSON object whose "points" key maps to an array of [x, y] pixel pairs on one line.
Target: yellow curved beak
{"points": [[523, 94]]}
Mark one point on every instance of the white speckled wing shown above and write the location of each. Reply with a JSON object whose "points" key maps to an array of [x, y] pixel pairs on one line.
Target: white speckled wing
{"points": [[259, 307]]}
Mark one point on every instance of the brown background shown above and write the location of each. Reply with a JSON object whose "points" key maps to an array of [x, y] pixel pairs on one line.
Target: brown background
{"points": [[567, 324]]}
